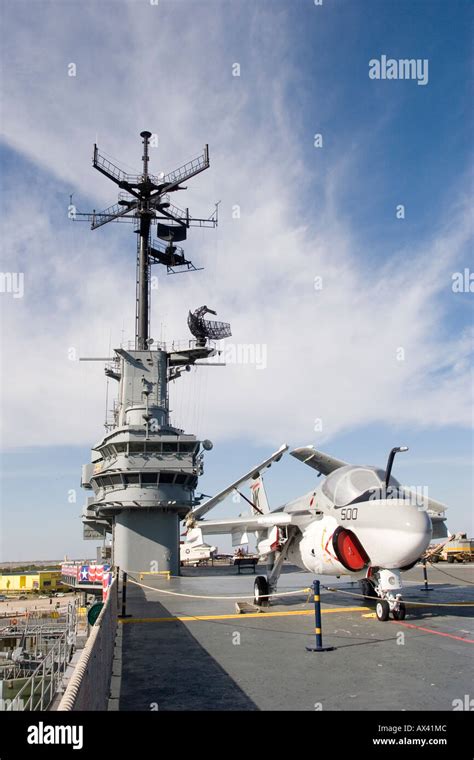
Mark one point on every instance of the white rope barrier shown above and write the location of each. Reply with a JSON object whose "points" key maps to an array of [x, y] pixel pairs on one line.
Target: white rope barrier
{"points": [[201, 596], [297, 592], [405, 601]]}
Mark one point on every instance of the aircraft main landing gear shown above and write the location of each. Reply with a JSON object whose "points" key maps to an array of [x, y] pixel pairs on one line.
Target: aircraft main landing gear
{"points": [[265, 586], [261, 591]]}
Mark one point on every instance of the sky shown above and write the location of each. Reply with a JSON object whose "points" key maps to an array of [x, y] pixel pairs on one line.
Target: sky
{"points": [[341, 257]]}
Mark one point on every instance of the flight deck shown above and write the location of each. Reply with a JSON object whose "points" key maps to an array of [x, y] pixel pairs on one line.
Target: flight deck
{"points": [[193, 653]]}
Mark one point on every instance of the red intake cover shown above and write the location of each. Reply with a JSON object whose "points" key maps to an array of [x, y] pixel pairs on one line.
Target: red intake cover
{"points": [[349, 550]]}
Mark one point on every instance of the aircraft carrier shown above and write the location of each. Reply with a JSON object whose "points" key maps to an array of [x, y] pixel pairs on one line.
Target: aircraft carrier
{"points": [[189, 639]]}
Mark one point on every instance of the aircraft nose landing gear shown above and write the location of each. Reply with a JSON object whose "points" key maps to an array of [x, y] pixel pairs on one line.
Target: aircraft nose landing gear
{"points": [[400, 614], [382, 610], [387, 587]]}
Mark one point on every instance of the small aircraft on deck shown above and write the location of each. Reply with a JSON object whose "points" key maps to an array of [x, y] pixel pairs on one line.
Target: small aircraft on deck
{"points": [[359, 522]]}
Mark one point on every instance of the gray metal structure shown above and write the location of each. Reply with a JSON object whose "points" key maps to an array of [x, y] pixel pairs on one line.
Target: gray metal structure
{"points": [[143, 472], [34, 655]]}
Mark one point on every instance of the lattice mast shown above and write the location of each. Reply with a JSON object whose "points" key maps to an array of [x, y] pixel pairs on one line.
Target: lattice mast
{"points": [[144, 201]]}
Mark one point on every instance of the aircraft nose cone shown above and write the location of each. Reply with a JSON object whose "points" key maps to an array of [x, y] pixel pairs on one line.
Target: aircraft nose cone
{"points": [[395, 533], [415, 533]]}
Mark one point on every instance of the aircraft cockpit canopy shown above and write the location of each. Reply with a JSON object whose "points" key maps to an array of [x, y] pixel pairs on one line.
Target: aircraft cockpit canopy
{"points": [[350, 484]]}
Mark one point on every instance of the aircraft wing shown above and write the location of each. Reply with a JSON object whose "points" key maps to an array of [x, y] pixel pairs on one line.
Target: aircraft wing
{"points": [[431, 505], [250, 523], [440, 529], [435, 510], [318, 460], [202, 509], [435, 506], [239, 527]]}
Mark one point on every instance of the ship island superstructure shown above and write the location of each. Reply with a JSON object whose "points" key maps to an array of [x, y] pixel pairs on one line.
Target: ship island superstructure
{"points": [[144, 471]]}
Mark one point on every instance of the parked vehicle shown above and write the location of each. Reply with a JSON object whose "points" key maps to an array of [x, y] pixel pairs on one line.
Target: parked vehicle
{"points": [[461, 550], [458, 548]]}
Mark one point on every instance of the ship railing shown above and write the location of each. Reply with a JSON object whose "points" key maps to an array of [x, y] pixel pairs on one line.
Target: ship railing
{"points": [[170, 346], [39, 690], [184, 345], [88, 687], [189, 169], [129, 345], [172, 209], [104, 164]]}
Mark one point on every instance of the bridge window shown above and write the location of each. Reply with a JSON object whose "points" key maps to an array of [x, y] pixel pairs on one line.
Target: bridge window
{"points": [[132, 479], [119, 448], [186, 447], [149, 478], [152, 448]]}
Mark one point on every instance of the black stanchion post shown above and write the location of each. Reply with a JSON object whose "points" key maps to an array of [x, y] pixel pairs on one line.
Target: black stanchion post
{"points": [[318, 623], [425, 575], [124, 596]]}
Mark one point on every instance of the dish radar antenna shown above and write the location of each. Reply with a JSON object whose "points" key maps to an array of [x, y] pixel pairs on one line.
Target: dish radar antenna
{"points": [[202, 329]]}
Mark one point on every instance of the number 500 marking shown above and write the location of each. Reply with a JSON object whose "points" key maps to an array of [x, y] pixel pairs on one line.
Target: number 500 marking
{"points": [[350, 513]]}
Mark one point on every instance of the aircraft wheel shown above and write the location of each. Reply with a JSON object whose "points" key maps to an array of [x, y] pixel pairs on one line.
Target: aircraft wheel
{"points": [[260, 591], [400, 614], [382, 610], [450, 560]]}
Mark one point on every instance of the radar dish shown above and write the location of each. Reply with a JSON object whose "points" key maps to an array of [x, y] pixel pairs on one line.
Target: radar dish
{"points": [[205, 328]]}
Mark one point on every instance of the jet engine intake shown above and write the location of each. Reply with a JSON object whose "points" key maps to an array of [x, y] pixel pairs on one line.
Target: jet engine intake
{"points": [[349, 550]]}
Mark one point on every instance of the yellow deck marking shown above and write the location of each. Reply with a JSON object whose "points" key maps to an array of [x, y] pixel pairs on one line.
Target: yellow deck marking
{"points": [[262, 616]]}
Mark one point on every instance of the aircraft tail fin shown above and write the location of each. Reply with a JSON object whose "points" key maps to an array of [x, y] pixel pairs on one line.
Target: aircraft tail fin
{"points": [[259, 496]]}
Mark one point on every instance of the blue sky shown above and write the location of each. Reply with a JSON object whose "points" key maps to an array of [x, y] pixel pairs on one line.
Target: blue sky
{"points": [[306, 212]]}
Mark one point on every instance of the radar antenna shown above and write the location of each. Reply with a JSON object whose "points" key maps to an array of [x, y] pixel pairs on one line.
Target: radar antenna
{"points": [[202, 329]]}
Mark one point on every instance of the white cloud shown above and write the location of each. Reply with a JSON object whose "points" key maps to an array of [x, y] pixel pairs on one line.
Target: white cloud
{"points": [[331, 352]]}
